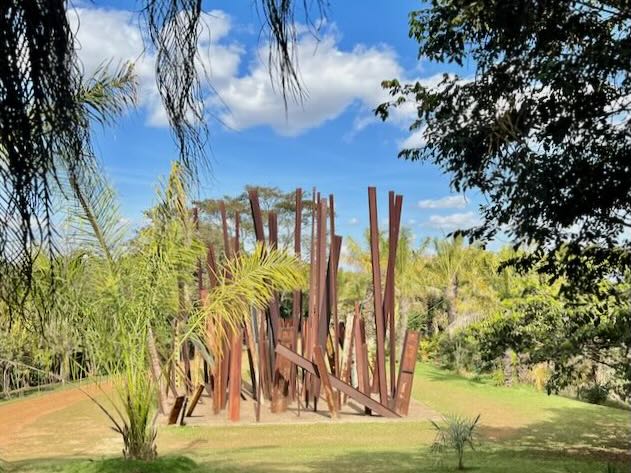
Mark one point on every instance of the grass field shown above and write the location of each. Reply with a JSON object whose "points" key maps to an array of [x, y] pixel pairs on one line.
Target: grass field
{"points": [[521, 431]]}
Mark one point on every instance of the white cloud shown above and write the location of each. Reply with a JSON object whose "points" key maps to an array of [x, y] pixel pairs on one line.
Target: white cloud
{"points": [[353, 221], [113, 36], [452, 222], [449, 202], [333, 79], [415, 140]]}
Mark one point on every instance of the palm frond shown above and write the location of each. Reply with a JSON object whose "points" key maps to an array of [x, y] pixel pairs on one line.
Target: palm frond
{"points": [[247, 282], [95, 216], [107, 95]]}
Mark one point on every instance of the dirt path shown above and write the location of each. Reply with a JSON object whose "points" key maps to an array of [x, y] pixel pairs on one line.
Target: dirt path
{"points": [[56, 423]]}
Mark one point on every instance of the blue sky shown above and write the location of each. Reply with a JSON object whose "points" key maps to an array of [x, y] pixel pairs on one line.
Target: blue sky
{"points": [[332, 141]]}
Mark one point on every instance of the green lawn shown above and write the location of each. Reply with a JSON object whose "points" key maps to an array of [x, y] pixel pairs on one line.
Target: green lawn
{"points": [[521, 431]]}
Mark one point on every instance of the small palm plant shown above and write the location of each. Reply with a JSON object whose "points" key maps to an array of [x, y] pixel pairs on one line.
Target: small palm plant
{"points": [[455, 433]]}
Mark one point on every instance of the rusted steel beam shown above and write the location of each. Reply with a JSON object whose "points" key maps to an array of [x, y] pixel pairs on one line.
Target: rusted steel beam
{"points": [[380, 366], [406, 372], [313, 277], [194, 400], [234, 387], [211, 267], [395, 203], [280, 388], [337, 383], [320, 322], [347, 360], [311, 325], [335, 254], [322, 271], [318, 359], [361, 358], [274, 307], [174, 414], [183, 411], [249, 343], [224, 228], [296, 308], [257, 216]]}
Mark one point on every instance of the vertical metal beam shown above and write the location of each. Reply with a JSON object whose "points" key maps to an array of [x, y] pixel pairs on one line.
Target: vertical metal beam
{"points": [[211, 267], [380, 366], [309, 334], [361, 357], [333, 288], [349, 329], [234, 387], [406, 372], [224, 228], [296, 308], [257, 216], [395, 203]]}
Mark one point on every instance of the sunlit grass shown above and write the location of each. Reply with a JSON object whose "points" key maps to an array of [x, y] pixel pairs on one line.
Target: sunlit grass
{"points": [[521, 430]]}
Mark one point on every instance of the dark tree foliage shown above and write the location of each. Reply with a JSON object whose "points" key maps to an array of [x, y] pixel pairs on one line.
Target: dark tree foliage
{"points": [[41, 121], [271, 199], [541, 128], [39, 81]]}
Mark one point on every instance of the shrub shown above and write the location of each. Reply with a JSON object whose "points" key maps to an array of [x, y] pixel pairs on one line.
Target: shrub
{"points": [[540, 375], [458, 352], [455, 433], [427, 349], [594, 394], [498, 378]]}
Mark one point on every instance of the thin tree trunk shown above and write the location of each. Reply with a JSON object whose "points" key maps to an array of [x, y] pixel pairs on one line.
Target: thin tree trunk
{"points": [[451, 292], [156, 371]]}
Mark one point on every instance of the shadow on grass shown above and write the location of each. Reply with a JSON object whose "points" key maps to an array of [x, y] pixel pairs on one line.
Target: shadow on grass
{"points": [[494, 461], [575, 432], [582, 430]]}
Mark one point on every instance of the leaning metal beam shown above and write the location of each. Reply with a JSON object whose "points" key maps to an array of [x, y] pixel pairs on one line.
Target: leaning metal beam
{"points": [[337, 383]]}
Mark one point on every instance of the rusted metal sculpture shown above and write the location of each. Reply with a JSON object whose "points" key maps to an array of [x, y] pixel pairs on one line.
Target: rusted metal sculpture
{"points": [[311, 354]]}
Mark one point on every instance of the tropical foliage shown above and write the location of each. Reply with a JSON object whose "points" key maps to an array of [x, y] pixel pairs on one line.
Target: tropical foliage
{"points": [[478, 315]]}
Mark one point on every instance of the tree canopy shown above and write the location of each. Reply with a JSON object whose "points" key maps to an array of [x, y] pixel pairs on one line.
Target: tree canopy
{"points": [[540, 126]]}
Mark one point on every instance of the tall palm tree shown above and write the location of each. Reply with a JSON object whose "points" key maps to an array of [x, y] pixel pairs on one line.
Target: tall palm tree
{"points": [[138, 292], [454, 268]]}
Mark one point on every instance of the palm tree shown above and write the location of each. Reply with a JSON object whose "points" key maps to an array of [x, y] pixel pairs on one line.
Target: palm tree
{"points": [[455, 270], [355, 286], [138, 292]]}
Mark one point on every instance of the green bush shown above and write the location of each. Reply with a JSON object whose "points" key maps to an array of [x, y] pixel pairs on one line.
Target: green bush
{"points": [[458, 352], [498, 378], [594, 394]]}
